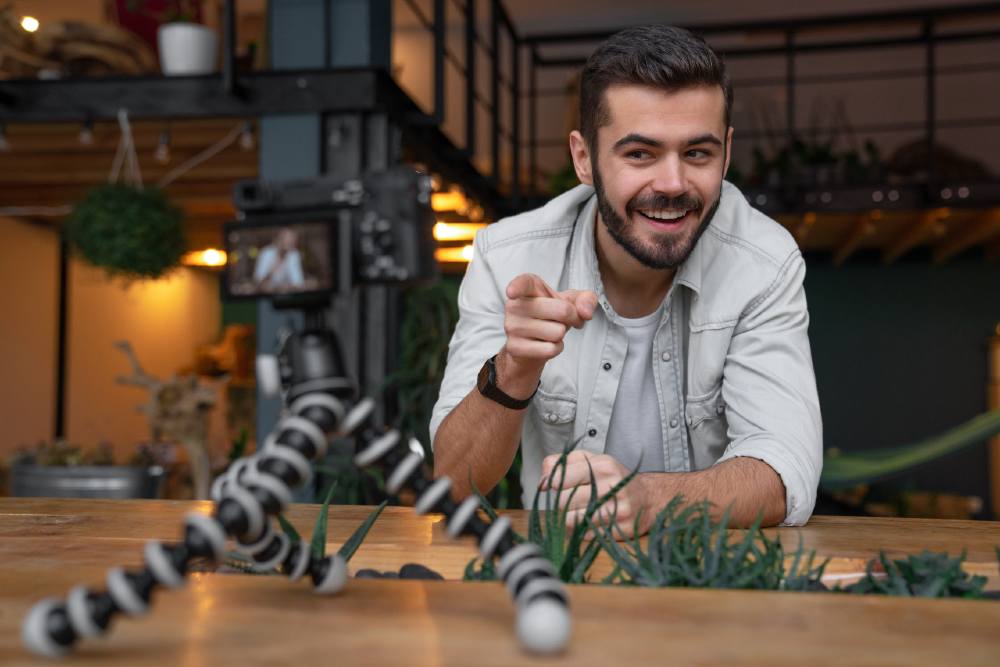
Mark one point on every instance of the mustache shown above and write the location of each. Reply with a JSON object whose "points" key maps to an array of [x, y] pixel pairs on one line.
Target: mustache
{"points": [[661, 201]]}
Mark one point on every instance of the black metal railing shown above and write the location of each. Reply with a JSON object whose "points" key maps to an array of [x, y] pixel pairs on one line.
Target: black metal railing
{"points": [[925, 28], [479, 41]]}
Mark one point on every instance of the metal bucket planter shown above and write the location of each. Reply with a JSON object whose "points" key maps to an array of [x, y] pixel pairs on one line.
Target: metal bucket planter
{"points": [[85, 481]]}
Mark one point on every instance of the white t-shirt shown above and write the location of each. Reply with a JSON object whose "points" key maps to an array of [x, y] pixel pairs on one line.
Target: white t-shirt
{"points": [[634, 429]]}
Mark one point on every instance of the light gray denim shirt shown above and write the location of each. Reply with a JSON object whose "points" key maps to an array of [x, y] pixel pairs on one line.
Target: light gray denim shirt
{"points": [[734, 373]]}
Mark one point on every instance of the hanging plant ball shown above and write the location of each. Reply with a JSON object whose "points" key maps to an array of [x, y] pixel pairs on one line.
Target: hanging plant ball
{"points": [[128, 232]]}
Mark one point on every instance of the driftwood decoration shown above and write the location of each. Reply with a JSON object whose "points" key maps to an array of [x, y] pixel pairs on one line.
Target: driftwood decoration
{"points": [[178, 408], [71, 48]]}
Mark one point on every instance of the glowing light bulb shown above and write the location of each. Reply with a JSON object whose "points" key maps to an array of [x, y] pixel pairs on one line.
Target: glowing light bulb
{"points": [[213, 257], [209, 257], [29, 23]]}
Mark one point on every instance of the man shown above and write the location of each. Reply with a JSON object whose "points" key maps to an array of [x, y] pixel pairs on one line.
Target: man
{"points": [[279, 265], [650, 311]]}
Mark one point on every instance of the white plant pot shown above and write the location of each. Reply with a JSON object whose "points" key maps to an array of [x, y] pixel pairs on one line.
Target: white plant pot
{"points": [[186, 48]]}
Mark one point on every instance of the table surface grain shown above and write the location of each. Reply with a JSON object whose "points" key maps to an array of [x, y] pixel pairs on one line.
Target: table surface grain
{"points": [[48, 545]]}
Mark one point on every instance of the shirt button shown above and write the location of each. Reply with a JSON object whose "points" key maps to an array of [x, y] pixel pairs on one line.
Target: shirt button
{"points": [[592, 432], [665, 356], [607, 365], [690, 421], [673, 423], [720, 409], [550, 418]]}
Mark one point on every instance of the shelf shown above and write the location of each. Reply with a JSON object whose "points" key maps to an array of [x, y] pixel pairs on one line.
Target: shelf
{"points": [[320, 91]]}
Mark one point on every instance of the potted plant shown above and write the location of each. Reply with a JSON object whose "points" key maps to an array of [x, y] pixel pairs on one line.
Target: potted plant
{"points": [[186, 47], [59, 469], [130, 233]]}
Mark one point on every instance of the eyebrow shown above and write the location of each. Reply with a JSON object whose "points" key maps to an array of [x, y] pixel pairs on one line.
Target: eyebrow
{"points": [[635, 138], [707, 138]]}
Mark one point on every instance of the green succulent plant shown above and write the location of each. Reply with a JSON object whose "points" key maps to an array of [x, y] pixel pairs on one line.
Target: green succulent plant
{"points": [[128, 232], [927, 575], [569, 550], [686, 547], [317, 544]]}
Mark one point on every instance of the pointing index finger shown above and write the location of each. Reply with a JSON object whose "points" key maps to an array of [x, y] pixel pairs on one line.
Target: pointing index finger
{"points": [[529, 285]]}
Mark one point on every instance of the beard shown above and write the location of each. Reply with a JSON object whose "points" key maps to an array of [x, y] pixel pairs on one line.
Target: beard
{"points": [[664, 252]]}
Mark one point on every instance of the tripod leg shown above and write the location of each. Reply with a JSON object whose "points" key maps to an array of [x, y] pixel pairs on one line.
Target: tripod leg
{"points": [[543, 620], [252, 490]]}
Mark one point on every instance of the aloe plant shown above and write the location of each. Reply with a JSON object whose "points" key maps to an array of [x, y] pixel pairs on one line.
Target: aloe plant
{"points": [[569, 550], [686, 547], [240, 562], [929, 575], [318, 542]]}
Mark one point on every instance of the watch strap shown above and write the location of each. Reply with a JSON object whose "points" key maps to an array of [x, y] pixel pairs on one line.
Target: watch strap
{"points": [[488, 387]]}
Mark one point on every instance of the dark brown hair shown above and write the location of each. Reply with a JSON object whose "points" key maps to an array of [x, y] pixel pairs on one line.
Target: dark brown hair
{"points": [[654, 55]]}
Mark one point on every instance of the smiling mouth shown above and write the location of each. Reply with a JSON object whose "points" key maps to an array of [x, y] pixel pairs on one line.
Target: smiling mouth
{"points": [[667, 219]]}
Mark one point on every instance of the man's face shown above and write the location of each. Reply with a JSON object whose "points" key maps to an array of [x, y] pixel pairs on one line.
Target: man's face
{"points": [[287, 240], [657, 168]]}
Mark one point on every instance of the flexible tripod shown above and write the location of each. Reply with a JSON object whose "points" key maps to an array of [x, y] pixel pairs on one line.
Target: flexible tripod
{"points": [[255, 488]]}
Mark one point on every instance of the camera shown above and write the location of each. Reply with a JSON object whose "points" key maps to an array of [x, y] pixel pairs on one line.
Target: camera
{"points": [[286, 244]]}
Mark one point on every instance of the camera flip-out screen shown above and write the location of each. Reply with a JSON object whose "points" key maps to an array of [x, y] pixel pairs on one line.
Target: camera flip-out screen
{"points": [[279, 259]]}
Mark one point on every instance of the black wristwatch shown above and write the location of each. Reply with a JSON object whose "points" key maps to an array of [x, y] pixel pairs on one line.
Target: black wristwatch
{"points": [[488, 387]]}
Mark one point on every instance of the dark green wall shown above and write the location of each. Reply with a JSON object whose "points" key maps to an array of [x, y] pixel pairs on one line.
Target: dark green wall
{"points": [[900, 354]]}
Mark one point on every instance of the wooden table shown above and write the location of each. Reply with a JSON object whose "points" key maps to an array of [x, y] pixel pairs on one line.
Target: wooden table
{"points": [[47, 546]]}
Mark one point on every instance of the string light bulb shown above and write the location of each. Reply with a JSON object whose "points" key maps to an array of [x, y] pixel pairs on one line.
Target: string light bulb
{"points": [[86, 136], [247, 142], [29, 23], [162, 152]]}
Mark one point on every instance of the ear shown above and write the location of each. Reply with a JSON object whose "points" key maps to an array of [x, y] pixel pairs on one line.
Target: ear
{"points": [[580, 153], [729, 151]]}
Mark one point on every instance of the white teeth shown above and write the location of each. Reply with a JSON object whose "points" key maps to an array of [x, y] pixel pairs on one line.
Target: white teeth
{"points": [[664, 214]]}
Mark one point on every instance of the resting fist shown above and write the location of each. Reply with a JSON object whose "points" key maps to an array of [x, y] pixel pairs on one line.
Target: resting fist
{"points": [[631, 502]]}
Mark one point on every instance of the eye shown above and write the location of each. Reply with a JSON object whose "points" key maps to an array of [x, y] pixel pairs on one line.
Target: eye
{"points": [[637, 154], [697, 154]]}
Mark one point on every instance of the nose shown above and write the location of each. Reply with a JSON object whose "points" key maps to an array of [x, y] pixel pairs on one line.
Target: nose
{"points": [[669, 176]]}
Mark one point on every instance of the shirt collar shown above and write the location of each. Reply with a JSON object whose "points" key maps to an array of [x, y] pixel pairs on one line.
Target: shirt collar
{"points": [[584, 273], [692, 272]]}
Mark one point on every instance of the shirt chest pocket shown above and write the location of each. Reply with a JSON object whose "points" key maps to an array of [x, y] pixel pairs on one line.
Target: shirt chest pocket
{"points": [[706, 423], [553, 422], [707, 350]]}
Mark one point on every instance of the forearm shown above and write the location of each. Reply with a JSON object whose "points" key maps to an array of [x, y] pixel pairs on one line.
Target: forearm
{"points": [[477, 441], [747, 486]]}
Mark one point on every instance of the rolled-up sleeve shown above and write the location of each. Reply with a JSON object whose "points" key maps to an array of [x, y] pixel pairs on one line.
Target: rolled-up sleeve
{"points": [[478, 335], [769, 389]]}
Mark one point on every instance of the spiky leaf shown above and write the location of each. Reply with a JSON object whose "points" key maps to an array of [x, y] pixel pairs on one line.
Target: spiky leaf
{"points": [[318, 544], [357, 537]]}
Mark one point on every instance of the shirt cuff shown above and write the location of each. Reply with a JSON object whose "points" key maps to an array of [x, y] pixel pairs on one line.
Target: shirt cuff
{"points": [[800, 487]]}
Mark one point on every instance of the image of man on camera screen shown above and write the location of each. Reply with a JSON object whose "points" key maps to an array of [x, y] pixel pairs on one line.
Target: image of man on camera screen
{"points": [[279, 264]]}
